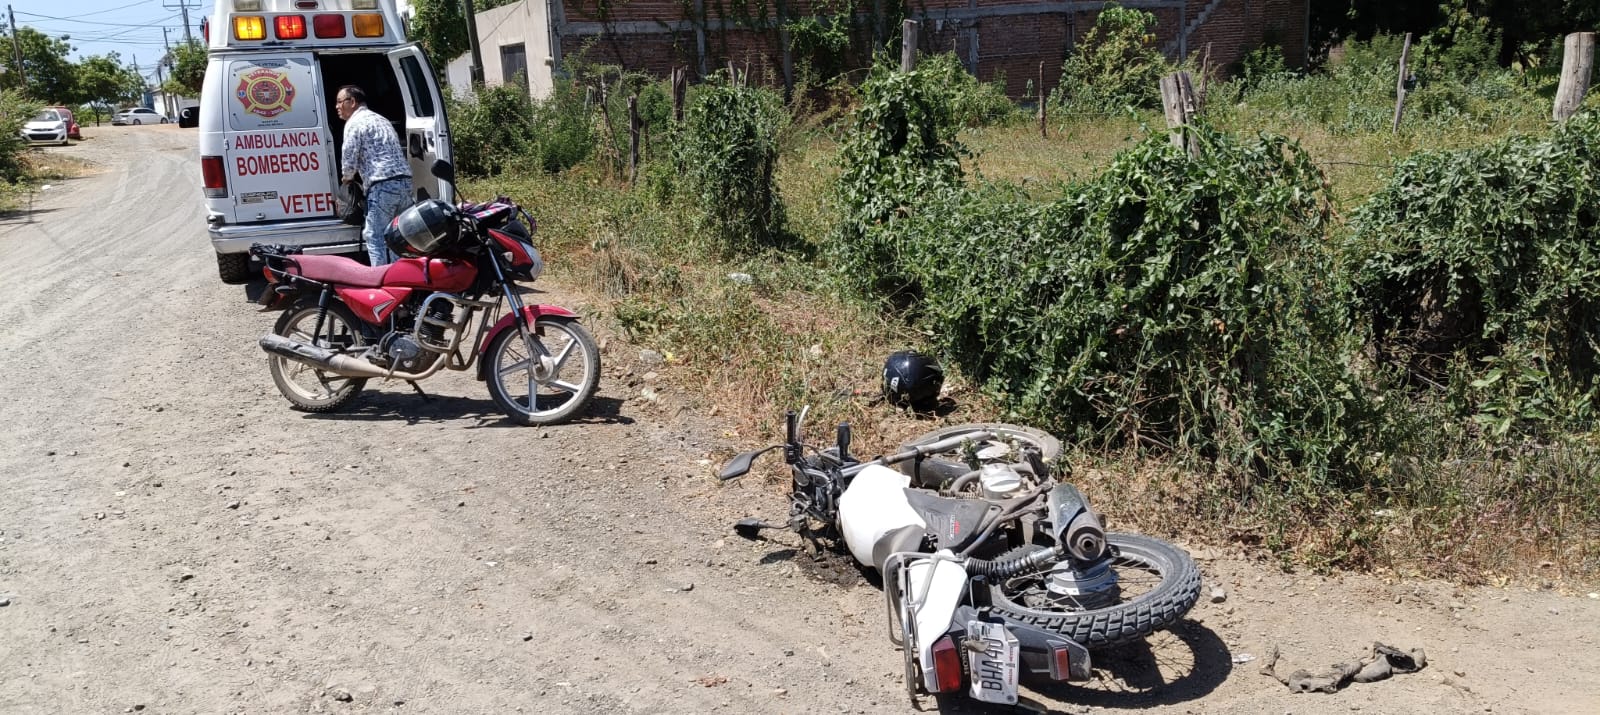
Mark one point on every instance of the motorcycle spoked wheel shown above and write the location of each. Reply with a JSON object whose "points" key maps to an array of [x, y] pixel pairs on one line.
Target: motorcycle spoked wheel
{"points": [[936, 470], [1158, 583], [573, 362], [307, 388]]}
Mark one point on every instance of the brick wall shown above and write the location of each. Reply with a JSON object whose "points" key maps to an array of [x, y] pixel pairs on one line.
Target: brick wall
{"points": [[994, 38]]}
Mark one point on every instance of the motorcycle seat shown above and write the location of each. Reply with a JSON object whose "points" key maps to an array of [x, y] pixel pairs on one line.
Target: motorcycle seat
{"points": [[338, 270]]}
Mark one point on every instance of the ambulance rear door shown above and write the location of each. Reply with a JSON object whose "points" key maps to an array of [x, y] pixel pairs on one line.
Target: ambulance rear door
{"points": [[278, 152], [427, 135]]}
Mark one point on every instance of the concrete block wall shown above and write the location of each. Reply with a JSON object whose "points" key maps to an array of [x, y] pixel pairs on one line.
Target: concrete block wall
{"points": [[1011, 37]]}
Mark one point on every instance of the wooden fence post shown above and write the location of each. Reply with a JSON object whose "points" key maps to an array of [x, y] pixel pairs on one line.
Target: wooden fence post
{"points": [[1577, 61], [1400, 85], [1044, 132], [633, 139], [1178, 102], [680, 86], [908, 45]]}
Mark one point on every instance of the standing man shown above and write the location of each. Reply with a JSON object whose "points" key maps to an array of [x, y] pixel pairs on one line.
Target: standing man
{"points": [[372, 149]]}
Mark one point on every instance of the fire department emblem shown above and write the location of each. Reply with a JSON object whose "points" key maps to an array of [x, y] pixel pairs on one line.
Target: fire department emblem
{"points": [[265, 92]]}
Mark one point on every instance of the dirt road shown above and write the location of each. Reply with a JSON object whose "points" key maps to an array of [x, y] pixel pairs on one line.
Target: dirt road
{"points": [[174, 539]]}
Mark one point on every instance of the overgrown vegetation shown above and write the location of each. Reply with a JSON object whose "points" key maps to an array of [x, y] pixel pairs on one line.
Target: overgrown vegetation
{"points": [[1116, 66], [727, 156], [1478, 270], [1354, 347]]}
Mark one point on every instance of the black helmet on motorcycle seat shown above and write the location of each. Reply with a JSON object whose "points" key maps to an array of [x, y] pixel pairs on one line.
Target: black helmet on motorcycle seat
{"points": [[427, 227], [911, 379]]}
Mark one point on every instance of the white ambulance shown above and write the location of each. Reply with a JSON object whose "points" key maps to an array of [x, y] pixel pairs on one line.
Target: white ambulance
{"points": [[269, 136]]}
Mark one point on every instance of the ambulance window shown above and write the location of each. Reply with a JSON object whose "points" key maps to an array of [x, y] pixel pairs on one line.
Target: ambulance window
{"points": [[417, 85]]}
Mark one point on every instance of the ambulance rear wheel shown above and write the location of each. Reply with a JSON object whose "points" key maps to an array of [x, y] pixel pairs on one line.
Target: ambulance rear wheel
{"points": [[233, 268]]}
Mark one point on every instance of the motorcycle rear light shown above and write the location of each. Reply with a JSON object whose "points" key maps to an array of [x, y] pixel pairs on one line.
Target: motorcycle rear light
{"points": [[946, 666], [367, 24], [327, 26], [216, 180], [290, 27]]}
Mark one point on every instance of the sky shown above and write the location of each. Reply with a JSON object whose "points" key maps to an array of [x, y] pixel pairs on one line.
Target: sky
{"points": [[131, 28]]}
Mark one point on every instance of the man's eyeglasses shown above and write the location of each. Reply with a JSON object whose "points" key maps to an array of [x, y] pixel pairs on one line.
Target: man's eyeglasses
{"points": [[338, 102]]}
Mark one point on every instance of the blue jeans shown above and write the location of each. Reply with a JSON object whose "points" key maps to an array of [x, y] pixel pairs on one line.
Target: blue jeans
{"points": [[385, 200]]}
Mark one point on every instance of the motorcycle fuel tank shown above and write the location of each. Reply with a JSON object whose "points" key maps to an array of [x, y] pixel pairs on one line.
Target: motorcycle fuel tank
{"points": [[873, 505]]}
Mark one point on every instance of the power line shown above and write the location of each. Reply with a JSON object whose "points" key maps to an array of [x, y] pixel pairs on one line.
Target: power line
{"points": [[93, 22], [112, 9]]}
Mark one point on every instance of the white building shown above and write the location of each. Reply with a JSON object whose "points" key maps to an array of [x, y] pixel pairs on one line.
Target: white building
{"points": [[513, 38]]}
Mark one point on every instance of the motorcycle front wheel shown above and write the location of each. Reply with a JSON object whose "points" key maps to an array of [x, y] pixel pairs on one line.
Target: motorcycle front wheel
{"points": [[1156, 584], [554, 382], [307, 388]]}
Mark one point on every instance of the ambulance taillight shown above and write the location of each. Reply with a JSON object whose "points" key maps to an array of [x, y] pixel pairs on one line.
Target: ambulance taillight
{"points": [[249, 27], [367, 24], [290, 27], [216, 180], [327, 26]]}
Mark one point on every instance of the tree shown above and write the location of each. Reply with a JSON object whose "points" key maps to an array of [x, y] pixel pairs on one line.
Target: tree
{"points": [[104, 81], [440, 26], [188, 70], [46, 74]]}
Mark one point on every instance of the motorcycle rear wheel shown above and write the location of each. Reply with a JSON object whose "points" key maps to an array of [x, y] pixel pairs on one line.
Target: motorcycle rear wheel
{"points": [[307, 388], [569, 355], [938, 469], [1164, 581]]}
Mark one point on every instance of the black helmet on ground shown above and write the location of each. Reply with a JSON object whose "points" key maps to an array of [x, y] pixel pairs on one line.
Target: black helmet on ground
{"points": [[911, 379]]}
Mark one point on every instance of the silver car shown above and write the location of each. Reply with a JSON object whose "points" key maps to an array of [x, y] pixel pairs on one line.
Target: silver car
{"points": [[138, 115], [46, 127]]}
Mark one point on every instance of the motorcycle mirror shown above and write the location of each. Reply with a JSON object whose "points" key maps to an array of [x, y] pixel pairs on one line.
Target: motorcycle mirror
{"points": [[443, 170], [740, 465]]}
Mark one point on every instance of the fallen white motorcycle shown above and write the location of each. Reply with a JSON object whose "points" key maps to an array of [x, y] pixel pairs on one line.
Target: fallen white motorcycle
{"points": [[994, 572]]}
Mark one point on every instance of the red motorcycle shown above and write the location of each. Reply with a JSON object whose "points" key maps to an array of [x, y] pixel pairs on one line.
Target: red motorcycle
{"points": [[345, 322]]}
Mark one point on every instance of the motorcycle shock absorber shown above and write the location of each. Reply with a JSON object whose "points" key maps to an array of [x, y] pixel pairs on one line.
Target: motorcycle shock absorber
{"points": [[438, 315]]}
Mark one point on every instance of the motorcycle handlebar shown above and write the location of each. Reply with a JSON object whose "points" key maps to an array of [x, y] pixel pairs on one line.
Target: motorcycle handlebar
{"points": [[740, 464]]}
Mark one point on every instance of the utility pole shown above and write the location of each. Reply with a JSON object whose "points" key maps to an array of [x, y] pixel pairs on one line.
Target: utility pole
{"points": [[183, 5], [472, 40], [16, 47], [166, 97]]}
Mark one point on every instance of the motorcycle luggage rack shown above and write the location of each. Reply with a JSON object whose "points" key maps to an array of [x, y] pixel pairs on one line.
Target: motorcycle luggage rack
{"points": [[895, 565]]}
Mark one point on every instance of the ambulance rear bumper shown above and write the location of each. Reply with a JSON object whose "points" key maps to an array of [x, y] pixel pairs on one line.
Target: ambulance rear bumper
{"points": [[315, 236]]}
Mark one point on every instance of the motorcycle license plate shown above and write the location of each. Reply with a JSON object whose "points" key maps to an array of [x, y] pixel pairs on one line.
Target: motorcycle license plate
{"points": [[994, 668]]}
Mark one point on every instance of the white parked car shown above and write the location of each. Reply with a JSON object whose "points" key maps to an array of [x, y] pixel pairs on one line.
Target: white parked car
{"points": [[46, 127], [138, 115]]}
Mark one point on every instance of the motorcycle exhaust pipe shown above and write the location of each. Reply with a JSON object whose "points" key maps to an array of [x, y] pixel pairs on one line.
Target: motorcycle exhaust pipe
{"points": [[321, 358]]}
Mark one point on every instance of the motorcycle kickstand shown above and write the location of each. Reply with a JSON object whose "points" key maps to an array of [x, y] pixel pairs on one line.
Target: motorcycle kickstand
{"points": [[425, 396]]}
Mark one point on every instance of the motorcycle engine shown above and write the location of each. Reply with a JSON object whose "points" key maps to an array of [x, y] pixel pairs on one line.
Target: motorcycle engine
{"points": [[405, 354]]}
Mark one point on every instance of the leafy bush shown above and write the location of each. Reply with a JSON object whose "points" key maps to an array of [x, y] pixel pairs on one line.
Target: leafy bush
{"points": [[1478, 269], [1175, 302], [15, 110], [727, 152], [500, 128], [900, 149], [1116, 66], [1356, 96], [972, 103]]}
